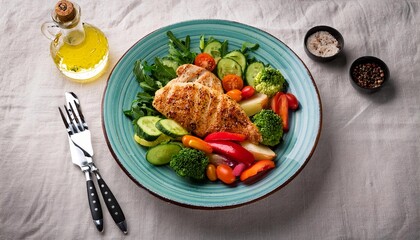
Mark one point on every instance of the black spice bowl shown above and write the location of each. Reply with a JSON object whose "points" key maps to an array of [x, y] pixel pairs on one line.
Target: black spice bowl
{"points": [[336, 34], [368, 74]]}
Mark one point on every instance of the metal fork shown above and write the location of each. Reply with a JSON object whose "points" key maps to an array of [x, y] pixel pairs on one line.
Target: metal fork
{"points": [[81, 137], [79, 159]]}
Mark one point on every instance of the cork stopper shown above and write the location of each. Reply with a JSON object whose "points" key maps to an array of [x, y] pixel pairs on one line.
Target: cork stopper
{"points": [[65, 11]]}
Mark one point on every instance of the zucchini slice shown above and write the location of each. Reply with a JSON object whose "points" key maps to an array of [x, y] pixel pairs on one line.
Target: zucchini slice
{"points": [[162, 138], [228, 66], [252, 71], [171, 128], [147, 128], [162, 154]]}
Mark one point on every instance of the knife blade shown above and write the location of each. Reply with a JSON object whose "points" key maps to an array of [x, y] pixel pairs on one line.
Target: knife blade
{"points": [[109, 198]]}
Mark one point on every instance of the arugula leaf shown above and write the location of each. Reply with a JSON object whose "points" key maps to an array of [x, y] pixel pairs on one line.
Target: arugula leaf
{"points": [[202, 43], [153, 77], [141, 106], [246, 46], [224, 48], [163, 73], [179, 50]]}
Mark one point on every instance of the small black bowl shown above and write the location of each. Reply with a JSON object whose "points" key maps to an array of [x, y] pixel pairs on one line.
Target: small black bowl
{"points": [[336, 34], [374, 81]]}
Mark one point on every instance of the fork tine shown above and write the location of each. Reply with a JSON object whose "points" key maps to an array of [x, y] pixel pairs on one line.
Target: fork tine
{"points": [[79, 112], [74, 113], [76, 118], [68, 114], [64, 118], [72, 123]]}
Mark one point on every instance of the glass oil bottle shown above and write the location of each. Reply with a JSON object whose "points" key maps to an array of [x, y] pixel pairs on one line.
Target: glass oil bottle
{"points": [[79, 50]]}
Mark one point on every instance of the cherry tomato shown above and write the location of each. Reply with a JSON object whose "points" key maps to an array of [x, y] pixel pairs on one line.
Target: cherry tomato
{"points": [[211, 172], [258, 167], [275, 102], [225, 174], [247, 92], [292, 101], [232, 81], [284, 111], [235, 94], [206, 61], [196, 143]]}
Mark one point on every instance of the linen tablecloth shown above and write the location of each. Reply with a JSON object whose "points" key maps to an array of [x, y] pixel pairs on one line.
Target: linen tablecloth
{"points": [[363, 181]]}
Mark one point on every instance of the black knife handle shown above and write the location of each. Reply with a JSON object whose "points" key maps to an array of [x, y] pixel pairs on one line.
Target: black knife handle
{"points": [[95, 205], [112, 204]]}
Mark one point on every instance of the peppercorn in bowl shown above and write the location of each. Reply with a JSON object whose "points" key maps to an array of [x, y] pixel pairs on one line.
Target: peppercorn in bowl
{"points": [[368, 74]]}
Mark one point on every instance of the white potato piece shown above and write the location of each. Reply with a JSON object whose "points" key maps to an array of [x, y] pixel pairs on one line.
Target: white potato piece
{"points": [[254, 104], [260, 152]]}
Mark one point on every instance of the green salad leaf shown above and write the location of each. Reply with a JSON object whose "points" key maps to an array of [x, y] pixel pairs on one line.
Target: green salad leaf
{"points": [[141, 106]]}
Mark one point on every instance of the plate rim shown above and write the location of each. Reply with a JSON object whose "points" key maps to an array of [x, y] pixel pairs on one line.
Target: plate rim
{"points": [[191, 206]]}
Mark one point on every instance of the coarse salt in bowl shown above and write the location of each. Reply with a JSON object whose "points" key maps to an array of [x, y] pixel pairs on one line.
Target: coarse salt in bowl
{"points": [[323, 43]]}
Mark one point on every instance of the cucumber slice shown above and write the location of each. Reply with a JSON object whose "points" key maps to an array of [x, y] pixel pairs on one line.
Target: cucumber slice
{"points": [[238, 57], [228, 66], [162, 154], [213, 48], [252, 71], [147, 128], [171, 128]]}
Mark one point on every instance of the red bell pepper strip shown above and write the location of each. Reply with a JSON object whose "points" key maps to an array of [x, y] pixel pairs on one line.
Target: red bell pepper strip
{"points": [[284, 112], [275, 102], [258, 167], [233, 151], [228, 136]]}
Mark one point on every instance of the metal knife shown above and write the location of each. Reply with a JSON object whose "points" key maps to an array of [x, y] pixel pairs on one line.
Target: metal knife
{"points": [[109, 198]]}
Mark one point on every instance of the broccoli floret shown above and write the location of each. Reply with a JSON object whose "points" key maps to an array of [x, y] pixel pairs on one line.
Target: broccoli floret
{"points": [[269, 81], [270, 126], [190, 163]]}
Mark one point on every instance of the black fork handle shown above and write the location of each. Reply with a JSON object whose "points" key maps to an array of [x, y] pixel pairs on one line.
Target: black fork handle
{"points": [[112, 204], [94, 204]]}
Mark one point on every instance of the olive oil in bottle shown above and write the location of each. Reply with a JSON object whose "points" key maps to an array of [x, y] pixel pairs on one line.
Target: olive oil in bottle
{"points": [[79, 50]]}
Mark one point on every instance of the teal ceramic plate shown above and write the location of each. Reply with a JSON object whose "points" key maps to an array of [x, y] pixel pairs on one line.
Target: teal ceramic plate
{"points": [[292, 155]]}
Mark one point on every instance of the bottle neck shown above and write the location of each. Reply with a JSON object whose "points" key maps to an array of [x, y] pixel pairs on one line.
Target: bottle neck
{"points": [[72, 30], [74, 35]]}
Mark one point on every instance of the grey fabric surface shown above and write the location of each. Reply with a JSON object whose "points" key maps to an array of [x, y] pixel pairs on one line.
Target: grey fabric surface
{"points": [[363, 182]]}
